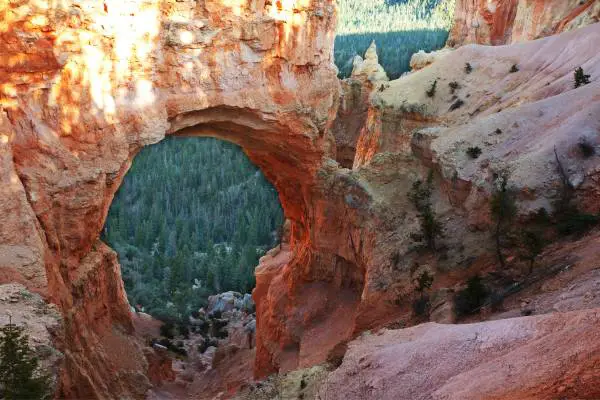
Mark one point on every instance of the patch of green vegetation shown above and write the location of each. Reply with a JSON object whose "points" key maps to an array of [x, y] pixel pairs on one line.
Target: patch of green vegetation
{"points": [[581, 78], [431, 227], [474, 152], [504, 209], [422, 305], [20, 374], [191, 219], [569, 219], [399, 28], [453, 86], [456, 105], [472, 298], [431, 91], [533, 243]]}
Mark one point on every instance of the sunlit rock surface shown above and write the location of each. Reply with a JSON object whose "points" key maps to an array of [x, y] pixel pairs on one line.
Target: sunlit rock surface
{"points": [[499, 22], [369, 68], [84, 85]]}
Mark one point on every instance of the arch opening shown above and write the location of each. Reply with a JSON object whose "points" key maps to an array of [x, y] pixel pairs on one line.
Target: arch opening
{"points": [[190, 220]]}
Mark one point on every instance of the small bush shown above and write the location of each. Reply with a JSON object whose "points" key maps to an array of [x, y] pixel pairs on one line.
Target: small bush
{"points": [[421, 306], [577, 223], [514, 69], [474, 152], [453, 86], [540, 216], [498, 131], [431, 91], [468, 68], [424, 282], [581, 78], [470, 299], [456, 105], [587, 149]]}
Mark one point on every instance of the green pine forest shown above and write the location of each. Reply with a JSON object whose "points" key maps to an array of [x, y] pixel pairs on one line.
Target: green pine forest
{"points": [[400, 28], [191, 219], [194, 215]]}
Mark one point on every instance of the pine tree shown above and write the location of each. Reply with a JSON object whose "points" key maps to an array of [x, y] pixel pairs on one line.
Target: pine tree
{"points": [[504, 209], [20, 377], [431, 227]]}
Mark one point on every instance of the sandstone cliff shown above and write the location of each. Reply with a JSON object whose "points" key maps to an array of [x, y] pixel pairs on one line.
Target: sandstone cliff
{"points": [[84, 85], [499, 22]]}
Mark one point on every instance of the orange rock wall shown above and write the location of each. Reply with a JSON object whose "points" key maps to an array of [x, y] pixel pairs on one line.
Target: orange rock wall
{"points": [[85, 85], [500, 22]]}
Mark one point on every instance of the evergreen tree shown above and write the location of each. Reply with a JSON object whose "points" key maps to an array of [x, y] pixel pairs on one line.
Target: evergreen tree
{"points": [[431, 227], [20, 377], [504, 209]]}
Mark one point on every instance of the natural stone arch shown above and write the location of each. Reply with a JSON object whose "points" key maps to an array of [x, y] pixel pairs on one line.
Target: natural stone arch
{"points": [[82, 99], [287, 160], [97, 83]]}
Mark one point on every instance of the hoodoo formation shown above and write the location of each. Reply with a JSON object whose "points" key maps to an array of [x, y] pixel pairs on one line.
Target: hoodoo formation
{"points": [[84, 85]]}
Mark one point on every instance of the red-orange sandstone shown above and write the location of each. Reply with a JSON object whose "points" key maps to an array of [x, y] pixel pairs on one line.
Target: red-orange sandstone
{"points": [[85, 85]]}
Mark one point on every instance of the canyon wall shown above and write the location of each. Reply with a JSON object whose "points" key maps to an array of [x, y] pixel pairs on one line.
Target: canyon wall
{"points": [[500, 22], [85, 85]]}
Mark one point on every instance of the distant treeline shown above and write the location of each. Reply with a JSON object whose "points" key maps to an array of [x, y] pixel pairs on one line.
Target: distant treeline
{"points": [[394, 48], [399, 27]]}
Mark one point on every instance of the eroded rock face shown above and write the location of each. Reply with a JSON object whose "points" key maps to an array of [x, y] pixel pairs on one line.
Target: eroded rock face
{"points": [[540, 357], [84, 85], [509, 21]]}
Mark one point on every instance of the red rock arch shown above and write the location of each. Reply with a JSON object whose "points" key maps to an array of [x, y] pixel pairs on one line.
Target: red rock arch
{"points": [[84, 86]]}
